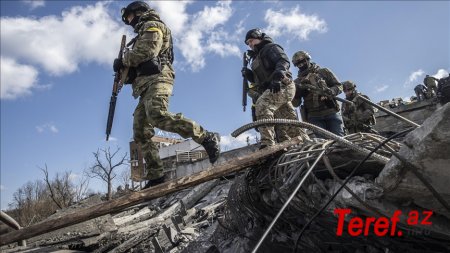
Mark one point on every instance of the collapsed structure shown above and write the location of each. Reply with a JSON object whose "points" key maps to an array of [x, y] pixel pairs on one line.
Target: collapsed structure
{"points": [[237, 214]]}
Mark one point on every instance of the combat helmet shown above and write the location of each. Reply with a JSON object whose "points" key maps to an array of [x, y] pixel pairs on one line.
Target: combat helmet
{"points": [[136, 6], [300, 56], [255, 33], [348, 85]]}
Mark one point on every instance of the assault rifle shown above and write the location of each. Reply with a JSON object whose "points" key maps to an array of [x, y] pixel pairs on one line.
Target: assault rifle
{"points": [[245, 60], [358, 125], [319, 87], [119, 79]]}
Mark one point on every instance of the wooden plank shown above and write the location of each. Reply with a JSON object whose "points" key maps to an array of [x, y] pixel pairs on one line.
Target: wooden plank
{"points": [[131, 199]]}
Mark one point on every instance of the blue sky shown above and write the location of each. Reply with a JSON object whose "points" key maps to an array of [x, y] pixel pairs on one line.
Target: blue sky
{"points": [[56, 67]]}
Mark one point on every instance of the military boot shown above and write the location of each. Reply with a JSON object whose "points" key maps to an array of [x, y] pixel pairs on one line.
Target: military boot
{"points": [[154, 182], [211, 143]]}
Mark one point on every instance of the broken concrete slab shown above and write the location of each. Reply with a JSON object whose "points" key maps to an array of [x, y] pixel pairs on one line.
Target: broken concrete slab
{"points": [[428, 148]]}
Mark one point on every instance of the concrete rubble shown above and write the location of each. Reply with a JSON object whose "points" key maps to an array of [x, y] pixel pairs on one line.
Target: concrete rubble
{"points": [[231, 214]]}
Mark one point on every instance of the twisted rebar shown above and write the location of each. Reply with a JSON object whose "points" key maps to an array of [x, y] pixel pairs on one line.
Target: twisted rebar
{"points": [[313, 128]]}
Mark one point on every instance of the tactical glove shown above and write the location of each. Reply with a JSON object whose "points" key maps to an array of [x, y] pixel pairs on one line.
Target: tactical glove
{"points": [[328, 91], [251, 54], [247, 73], [275, 86], [278, 75], [117, 65]]}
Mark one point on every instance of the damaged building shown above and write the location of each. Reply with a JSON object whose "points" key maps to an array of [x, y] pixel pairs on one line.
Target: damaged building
{"points": [[320, 195]]}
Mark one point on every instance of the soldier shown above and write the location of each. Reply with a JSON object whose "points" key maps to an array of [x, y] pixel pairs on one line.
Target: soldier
{"points": [[421, 91], [273, 82], [317, 86], [359, 116], [150, 59], [431, 83]]}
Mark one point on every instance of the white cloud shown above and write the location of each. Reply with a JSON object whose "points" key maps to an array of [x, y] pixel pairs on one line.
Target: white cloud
{"points": [[381, 88], [34, 3], [47, 127], [228, 142], [197, 34], [216, 45], [441, 73], [413, 78], [293, 22], [415, 75], [59, 44], [16, 79], [173, 13], [2, 187]]}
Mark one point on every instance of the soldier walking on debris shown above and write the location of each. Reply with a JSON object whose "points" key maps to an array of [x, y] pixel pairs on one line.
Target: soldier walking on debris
{"points": [[317, 86], [431, 83], [273, 81], [421, 92], [151, 75], [359, 116]]}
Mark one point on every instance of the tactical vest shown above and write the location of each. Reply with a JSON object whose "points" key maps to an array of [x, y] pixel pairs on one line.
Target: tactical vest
{"points": [[313, 105], [357, 108], [154, 65], [263, 74]]}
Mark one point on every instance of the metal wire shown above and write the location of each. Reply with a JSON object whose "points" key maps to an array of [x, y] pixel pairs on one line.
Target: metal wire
{"points": [[267, 187]]}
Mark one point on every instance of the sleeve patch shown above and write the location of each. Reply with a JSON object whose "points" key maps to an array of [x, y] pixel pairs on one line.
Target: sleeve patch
{"points": [[154, 29]]}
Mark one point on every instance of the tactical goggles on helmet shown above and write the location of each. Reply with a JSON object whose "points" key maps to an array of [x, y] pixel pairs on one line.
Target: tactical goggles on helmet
{"points": [[133, 8], [125, 14]]}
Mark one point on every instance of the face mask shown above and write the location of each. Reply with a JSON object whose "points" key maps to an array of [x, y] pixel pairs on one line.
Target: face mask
{"points": [[303, 65], [134, 21]]}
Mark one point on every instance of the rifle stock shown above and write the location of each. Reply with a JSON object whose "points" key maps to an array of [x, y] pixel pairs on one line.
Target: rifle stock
{"points": [[119, 79]]}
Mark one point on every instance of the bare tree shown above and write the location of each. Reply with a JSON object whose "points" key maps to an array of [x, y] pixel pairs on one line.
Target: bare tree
{"points": [[125, 177], [104, 170], [35, 201], [31, 203], [50, 188], [82, 187], [62, 190]]}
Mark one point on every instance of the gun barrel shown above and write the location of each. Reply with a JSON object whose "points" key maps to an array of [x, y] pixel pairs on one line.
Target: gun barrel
{"points": [[117, 85], [343, 100], [393, 114], [112, 108]]}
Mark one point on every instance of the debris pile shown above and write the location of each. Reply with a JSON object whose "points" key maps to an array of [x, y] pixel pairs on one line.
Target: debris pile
{"points": [[367, 174]]}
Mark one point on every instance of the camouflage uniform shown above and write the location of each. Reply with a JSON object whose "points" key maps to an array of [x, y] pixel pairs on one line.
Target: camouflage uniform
{"points": [[282, 133], [359, 116], [269, 61], [154, 43], [431, 83], [421, 92], [323, 113], [277, 105]]}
